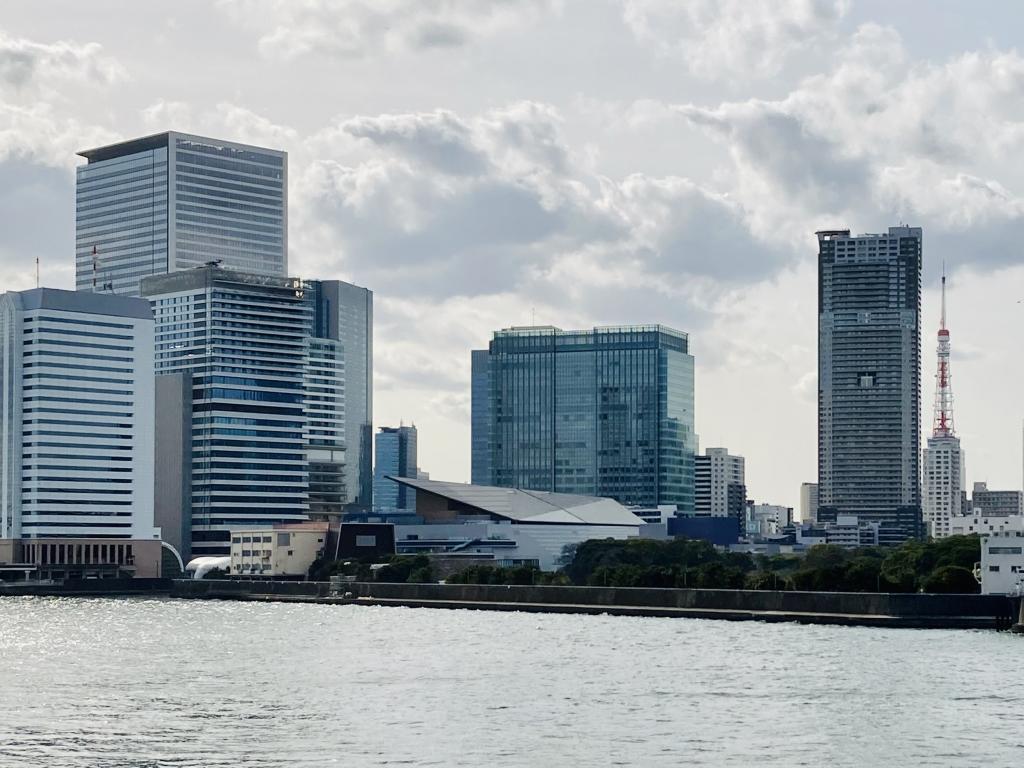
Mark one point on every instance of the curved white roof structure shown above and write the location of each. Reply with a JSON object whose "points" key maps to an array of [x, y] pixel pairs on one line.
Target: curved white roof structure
{"points": [[523, 506]]}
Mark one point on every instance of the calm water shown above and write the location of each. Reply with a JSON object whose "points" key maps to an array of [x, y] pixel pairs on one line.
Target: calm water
{"points": [[185, 683]]}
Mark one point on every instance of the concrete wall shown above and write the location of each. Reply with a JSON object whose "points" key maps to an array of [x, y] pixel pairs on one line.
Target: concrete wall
{"points": [[172, 481], [845, 603]]}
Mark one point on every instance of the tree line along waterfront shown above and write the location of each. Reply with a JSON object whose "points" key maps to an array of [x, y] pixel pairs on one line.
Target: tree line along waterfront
{"points": [[937, 566]]}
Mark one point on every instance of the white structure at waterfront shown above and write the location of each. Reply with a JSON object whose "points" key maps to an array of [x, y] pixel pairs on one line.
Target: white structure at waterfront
{"points": [[1002, 564], [76, 416], [508, 525], [284, 550]]}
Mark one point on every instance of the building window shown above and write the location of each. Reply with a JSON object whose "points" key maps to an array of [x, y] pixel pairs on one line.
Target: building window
{"points": [[366, 541], [993, 569]]}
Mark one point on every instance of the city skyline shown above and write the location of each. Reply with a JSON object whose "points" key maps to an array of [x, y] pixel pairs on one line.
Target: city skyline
{"points": [[619, 188]]}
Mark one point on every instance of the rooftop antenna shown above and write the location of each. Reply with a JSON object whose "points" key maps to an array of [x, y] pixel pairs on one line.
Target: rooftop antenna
{"points": [[943, 320], [37, 271]]}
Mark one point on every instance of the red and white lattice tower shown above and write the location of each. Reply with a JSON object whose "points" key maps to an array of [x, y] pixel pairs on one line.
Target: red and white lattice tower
{"points": [[942, 424]]}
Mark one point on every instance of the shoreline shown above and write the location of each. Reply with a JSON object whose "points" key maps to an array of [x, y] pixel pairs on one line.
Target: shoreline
{"points": [[910, 611]]}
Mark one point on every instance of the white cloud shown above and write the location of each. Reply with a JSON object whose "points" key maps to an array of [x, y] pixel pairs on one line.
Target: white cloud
{"points": [[27, 65], [358, 28], [503, 161], [877, 138], [723, 39]]}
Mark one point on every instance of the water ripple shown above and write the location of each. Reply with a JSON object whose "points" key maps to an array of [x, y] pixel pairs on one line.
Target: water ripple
{"points": [[152, 683]]}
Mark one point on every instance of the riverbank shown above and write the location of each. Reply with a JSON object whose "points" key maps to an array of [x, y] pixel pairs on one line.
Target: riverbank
{"points": [[918, 611]]}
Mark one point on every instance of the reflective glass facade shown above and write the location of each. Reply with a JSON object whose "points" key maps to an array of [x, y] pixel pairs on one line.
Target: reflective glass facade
{"points": [[344, 313], [395, 457], [869, 377], [603, 412], [172, 201], [244, 338], [481, 423], [121, 210], [325, 414]]}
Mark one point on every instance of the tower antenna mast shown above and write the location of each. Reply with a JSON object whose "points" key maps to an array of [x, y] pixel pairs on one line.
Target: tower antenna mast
{"points": [[942, 423]]}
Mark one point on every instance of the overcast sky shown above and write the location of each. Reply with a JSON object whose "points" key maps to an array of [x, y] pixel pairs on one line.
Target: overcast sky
{"points": [[479, 163]]}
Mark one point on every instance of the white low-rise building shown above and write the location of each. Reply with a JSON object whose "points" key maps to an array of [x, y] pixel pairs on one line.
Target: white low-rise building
{"points": [[980, 523], [1002, 564], [508, 525], [287, 549]]}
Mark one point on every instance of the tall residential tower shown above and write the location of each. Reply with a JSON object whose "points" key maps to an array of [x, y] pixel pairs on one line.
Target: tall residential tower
{"points": [[720, 485], [243, 340], [172, 201], [869, 377]]}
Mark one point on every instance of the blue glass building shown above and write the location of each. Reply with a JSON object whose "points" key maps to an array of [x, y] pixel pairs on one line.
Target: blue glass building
{"points": [[602, 412], [244, 339], [395, 457], [480, 466], [172, 201]]}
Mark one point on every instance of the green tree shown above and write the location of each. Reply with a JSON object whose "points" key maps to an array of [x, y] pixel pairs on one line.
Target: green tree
{"points": [[951, 579]]}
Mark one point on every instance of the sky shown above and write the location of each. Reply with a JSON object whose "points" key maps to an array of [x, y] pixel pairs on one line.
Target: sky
{"points": [[481, 164]]}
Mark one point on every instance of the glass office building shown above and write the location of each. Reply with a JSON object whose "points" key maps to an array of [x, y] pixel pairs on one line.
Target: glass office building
{"points": [[395, 457], [602, 412], [343, 312], [245, 341], [325, 414], [480, 455], [172, 201], [869, 378]]}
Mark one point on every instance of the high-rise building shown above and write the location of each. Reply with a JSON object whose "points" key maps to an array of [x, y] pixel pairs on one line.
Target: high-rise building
{"points": [[396, 457], [325, 414], [869, 377], [480, 428], [172, 201], [943, 480], [244, 339], [808, 503], [720, 469], [604, 412], [720, 485], [76, 419], [344, 313]]}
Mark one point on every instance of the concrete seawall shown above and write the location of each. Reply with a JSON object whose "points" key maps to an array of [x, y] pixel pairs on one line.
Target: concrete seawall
{"points": [[842, 608], [90, 588]]}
